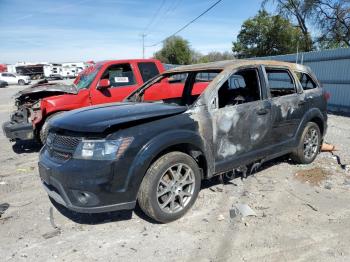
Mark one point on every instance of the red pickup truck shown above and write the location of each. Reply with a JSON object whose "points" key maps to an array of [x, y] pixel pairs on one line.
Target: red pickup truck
{"points": [[104, 82]]}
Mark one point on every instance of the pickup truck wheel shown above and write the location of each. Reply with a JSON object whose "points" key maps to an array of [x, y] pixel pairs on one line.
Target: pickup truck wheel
{"points": [[309, 144], [21, 82], [170, 187], [44, 129]]}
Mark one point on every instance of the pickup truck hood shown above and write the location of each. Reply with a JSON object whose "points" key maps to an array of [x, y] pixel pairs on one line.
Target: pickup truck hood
{"points": [[97, 119], [47, 89]]}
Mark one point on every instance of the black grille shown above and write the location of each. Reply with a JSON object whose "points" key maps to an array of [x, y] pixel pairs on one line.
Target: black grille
{"points": [[61, 147]]}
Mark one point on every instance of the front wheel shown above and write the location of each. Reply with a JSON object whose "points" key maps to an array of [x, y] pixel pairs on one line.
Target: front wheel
{"points": [[309, 144], [170, 187], [21, 82]]}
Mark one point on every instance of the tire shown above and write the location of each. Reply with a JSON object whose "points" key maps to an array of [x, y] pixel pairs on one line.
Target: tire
{"points": [[163, 175], [309, 144], [21, 82], [44, 131]]}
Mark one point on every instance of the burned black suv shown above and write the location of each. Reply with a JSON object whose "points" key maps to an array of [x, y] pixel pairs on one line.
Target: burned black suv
{"points": [[219, 117]]}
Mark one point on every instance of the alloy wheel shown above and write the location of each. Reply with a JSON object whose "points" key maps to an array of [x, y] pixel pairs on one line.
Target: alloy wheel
{"points": [[311, 143], [175, 188]]}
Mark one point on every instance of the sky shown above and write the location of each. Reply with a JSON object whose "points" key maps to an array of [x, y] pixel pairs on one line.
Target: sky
{"points": [[83, 30]]}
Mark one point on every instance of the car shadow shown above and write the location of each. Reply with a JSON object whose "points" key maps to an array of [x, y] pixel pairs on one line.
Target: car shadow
{"points": [[228, 178], [30, 146], [93, 219]]}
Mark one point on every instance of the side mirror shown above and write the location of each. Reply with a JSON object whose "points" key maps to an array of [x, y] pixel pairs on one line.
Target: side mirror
{"points": [[103, 84]]}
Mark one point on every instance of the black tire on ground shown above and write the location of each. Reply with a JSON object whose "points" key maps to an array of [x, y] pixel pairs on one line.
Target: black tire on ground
{"points": [[309, 144], [21, 82], [177, 173], [44, 130]]}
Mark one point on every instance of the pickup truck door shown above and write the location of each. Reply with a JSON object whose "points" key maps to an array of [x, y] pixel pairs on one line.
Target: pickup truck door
{"points": [[241, 119], [288, 105], [123, 81]]}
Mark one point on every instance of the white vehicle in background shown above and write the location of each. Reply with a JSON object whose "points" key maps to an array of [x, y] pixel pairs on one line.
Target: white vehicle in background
{"points": [[14, 79], [68, 72]]}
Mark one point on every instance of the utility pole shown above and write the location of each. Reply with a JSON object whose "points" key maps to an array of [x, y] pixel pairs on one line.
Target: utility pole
{"points": [[143, 44]]}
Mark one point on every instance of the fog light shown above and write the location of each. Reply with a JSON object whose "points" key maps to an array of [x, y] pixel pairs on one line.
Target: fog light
{"points": [[83, 198]]}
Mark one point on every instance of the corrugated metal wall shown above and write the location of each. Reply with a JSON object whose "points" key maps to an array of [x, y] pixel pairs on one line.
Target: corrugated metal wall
{"points": [[332, 68]]}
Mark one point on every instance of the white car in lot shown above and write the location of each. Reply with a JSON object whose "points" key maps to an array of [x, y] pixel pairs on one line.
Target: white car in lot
{"points": [[14, 79]]}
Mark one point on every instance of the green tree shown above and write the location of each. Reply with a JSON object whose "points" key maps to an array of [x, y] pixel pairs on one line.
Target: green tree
{"points": [[333, 20], [216, 56], [299, 11], [265, 35], [175, 50]]}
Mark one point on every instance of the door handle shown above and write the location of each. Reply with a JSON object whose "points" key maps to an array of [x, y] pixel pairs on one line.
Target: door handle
{"points": [[301, 102], [262, 111]]}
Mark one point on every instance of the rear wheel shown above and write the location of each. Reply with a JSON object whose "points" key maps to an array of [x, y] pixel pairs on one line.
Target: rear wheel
{"points": [[170, 187], [21, 82], [309, 144]]}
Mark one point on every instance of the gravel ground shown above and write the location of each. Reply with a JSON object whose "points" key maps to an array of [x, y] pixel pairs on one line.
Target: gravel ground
{"points": [[302, 214]]}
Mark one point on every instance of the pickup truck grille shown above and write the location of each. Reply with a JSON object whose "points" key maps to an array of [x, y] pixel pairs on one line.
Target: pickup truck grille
{"points": [[61, 147]]}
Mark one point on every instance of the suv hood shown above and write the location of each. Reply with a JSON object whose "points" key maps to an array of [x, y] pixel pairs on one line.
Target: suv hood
{"points": [[97, 119], [45, 89]]}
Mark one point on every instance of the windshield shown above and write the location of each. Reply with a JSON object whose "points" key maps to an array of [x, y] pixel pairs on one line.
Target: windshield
{"points": [[87, 76], [181, 88]]}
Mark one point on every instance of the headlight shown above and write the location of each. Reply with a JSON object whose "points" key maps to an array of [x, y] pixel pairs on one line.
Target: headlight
{"points": [[102, 149]]}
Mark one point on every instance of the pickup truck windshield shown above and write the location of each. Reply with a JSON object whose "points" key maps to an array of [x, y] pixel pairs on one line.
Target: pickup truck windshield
{"points": [[87, 77]]}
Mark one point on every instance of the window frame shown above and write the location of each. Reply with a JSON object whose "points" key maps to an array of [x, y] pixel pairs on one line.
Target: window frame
{"points": [[143, 63], [311, 77], [257, 70], [120, 64], [280, 68]]}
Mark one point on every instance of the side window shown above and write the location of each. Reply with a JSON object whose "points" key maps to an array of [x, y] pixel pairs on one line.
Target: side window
{"points": [[119, 75], [148, 70], [242, 87], [281, 82], [306, 81]]}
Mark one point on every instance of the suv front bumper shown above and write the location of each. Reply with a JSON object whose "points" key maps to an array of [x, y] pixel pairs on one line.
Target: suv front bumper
{"points": [[18, 131], [84, 186]]}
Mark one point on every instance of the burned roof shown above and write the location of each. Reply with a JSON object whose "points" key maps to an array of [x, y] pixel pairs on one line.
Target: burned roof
{"points": [[231, 64]]}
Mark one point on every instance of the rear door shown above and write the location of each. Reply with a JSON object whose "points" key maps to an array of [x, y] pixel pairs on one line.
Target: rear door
{"points": [[123, 81], [288, 103], [241, 120]]}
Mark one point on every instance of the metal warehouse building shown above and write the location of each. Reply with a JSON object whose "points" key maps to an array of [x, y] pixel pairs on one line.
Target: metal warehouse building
{"points": [[332, 68]]}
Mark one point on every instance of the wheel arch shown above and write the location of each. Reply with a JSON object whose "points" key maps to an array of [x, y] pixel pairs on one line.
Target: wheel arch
{"points": [[313, 115], [183, 141]]}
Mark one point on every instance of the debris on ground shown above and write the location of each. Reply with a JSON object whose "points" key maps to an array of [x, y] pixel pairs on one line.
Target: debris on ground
{"points": [[312, 176], [312, 207], [327, 147], [342, 166], [220, 217], [3, 208], [241, 209], [328, 186], [51, 234]]}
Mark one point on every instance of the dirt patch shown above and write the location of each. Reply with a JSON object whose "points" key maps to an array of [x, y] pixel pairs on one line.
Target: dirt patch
{"points": [[312, 176]]}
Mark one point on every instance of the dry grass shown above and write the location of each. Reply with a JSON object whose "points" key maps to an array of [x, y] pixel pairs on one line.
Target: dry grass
{"points": [[313, 176]]}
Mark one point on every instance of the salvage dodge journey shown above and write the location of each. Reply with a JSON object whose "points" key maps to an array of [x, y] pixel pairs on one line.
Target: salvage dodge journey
{"points": [[156, 153]]}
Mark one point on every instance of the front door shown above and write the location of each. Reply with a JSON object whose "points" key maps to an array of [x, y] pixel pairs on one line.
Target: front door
{"points": [[122, 80], [241, 120]]}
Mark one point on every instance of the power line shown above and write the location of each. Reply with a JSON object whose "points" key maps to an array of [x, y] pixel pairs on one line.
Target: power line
{"points": [[189, 23], [154, 16]]}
